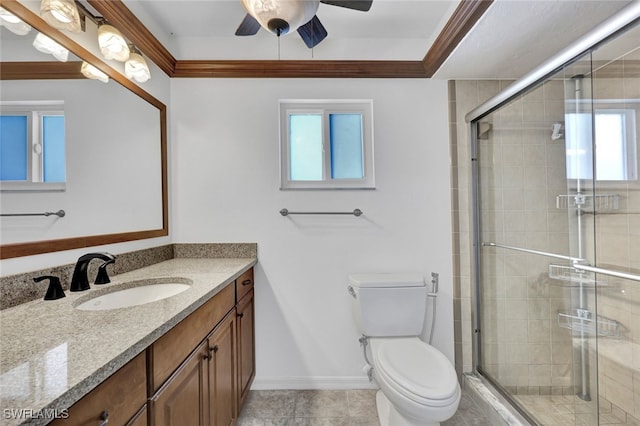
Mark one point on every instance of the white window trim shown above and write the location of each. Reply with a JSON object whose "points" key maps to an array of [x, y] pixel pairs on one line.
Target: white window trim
{"points": [[325, 107], [34, 110]]}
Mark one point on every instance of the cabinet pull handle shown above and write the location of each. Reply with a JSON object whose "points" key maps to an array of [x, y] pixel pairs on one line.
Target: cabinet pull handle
{"points": [[214, 349], [104, 416], [246, 282], [240, 315]]}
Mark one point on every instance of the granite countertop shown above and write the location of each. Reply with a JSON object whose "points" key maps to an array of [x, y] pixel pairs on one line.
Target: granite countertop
{"points": [[52, 354]]}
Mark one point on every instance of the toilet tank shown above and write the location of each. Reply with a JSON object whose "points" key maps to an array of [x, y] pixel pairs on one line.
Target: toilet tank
{"points": [[388, 304]]}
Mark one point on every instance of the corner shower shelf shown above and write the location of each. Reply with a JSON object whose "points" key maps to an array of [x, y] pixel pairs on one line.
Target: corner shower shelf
{"points": [[584, 321], [572, 277]]}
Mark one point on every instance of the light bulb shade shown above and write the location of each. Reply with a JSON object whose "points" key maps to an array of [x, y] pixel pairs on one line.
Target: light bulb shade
{"points": [[93, 73], [281, 16], [112, 43], [61, 14], [136, 68], [13, 23], [46, 45]]}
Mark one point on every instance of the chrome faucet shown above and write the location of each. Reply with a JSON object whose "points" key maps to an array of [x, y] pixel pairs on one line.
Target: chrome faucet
{"points": [[79, 280]]}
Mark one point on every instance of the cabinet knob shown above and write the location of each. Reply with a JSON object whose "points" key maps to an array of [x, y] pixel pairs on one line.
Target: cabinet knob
{"points": [[207, 356], [104, 416], [240, 315], [246, 282], [214, 349]]}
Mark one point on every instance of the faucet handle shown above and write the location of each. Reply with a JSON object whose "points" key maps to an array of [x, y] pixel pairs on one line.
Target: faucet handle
{"points": [[103, 276], [55, 290]]}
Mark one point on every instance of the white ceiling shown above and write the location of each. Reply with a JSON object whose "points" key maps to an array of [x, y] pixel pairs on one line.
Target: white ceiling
{"points": [[512, 37]]}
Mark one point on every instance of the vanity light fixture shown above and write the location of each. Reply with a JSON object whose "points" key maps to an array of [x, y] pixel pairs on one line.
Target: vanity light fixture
{"points": [[46, 45], [61, 14], [136, 67], [112, 43], [93, 73], [13, 23]]}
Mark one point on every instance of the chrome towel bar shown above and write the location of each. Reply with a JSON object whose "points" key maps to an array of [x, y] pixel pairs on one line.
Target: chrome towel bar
{"points": [[59, 213], [541, 253], [356, 212], [610, 272], [576, 262]]}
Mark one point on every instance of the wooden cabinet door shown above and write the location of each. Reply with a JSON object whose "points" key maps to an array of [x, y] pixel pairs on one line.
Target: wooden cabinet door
{"points": [[140, 419], [222, 373], [246, 346], [182, 400], [118, 398]]}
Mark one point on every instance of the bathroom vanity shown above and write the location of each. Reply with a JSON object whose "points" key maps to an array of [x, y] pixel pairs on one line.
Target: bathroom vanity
{"points": [[186, 359]]}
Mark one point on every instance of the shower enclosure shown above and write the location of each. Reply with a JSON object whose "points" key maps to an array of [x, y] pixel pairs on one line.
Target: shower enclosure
{"points": [[557, 239]]}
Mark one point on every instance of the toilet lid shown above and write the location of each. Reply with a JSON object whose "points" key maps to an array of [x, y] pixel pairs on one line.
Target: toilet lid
{"points": [[417, 368]]}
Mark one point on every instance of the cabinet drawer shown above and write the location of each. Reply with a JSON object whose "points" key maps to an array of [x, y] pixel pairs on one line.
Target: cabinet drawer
{"points": [[121, 396], [244, 284], [168, 352]]}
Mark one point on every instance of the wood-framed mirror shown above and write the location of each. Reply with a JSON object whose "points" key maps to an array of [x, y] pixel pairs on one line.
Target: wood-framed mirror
{"points": [[116, 178]]}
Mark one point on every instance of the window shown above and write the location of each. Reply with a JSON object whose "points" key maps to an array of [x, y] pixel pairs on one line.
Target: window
{"points": [[326, 144], [32, 146], [616, 156]]}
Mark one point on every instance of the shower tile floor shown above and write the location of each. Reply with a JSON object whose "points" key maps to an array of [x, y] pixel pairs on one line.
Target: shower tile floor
{"points": [[332, 408]]}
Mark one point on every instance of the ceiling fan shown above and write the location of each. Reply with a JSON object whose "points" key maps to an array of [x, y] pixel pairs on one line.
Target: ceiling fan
{"points": [[282, 16]]}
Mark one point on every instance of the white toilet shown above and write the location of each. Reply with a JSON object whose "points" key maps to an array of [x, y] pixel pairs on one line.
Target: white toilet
{"points": [[418, 384]]}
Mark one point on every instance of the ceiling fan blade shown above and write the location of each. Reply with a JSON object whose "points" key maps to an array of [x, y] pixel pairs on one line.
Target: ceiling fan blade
{"points": [[313, 32], [362, 5], [248, 27]]}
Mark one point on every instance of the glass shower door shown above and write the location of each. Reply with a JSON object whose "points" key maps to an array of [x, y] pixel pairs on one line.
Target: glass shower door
{"points": [[557, 235], [534, 307]]}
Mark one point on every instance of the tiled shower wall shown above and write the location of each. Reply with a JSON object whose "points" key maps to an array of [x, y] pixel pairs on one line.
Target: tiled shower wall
{"points": [[524, 348], [464, 96], [618, 247]]}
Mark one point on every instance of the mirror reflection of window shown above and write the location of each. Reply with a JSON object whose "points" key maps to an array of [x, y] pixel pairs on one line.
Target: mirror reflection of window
{"points": [[32, 146], [616, 155]]}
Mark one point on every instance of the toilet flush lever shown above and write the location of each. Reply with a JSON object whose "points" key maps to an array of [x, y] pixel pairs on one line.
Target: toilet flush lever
{"points": [[352, 292]]}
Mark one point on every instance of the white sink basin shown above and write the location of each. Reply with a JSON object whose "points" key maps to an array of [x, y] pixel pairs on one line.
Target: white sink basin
{"points": [[135, 293]]}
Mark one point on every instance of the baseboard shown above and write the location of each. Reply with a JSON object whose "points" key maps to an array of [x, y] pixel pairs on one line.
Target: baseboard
{"points": [[317, 382]]}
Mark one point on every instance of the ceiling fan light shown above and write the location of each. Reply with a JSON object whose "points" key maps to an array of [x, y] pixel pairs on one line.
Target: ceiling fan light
{"points": [[136, 68], [112, 43], [13, 23], [280, 12], [45, 44], [61, 14], [93, 73]]}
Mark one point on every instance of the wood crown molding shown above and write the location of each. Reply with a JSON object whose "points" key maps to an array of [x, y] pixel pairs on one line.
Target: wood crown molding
{"points": [[461, 22], [463, 19], [300, 69]]}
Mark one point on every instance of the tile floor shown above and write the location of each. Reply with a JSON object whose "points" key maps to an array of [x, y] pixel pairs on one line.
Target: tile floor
{"points": [[332, 408]]}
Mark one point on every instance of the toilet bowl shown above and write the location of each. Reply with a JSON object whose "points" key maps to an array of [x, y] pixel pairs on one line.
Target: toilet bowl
{"points": [[418, 384]]}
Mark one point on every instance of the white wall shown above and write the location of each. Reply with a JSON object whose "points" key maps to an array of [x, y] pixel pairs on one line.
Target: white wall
{"points": [[225, 188]]}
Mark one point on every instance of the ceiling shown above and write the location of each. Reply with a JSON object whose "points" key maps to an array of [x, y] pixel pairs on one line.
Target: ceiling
{"points": [[510, 39]]}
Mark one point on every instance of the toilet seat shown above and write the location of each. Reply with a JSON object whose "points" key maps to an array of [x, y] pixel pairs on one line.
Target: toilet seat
{"points": [[416, 370]]}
